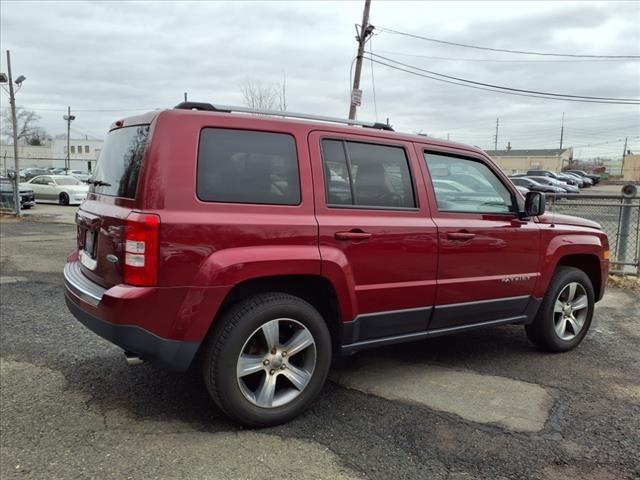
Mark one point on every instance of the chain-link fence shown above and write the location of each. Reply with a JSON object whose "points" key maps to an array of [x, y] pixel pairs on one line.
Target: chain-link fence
{"points": [[619, 217], [7, 204]]}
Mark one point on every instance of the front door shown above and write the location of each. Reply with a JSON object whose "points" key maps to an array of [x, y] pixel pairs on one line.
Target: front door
{"points": [[488, 257], [375, 231]]}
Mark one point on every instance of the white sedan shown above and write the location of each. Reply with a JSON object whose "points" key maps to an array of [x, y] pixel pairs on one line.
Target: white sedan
{"points": [[62, 189]]}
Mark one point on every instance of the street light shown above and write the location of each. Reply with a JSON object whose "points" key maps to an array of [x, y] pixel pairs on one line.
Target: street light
{"points": [[12, 100], [68, 118]]}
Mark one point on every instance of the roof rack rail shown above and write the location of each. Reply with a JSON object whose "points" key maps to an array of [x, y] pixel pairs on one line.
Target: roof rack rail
{"points": [[277, 113]]}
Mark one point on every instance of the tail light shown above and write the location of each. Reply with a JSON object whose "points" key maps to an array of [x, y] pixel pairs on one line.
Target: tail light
{"points": [[141, 239]]}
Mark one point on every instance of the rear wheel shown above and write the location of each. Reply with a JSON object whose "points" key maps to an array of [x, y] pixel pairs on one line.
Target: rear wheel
{"points": [[267, 359], [63, 199], [565, 315]]}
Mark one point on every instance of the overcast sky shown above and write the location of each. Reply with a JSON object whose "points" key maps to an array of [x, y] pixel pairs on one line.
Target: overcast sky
{"points": [[108, 60]]}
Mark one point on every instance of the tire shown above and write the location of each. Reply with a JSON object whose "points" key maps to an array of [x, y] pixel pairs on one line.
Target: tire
{"points": [[240, 330], [553, 329], [63, 199]]}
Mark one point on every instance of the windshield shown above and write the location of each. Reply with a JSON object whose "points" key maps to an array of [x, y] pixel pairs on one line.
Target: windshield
{"points": [[68, 181], [120, 161]]}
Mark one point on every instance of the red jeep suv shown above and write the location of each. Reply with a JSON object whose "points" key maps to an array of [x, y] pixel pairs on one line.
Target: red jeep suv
{"points": [[262, 246]]}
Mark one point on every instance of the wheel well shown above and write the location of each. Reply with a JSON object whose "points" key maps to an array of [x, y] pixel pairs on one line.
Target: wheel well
{"points": [[589, 264], [316, 290]]}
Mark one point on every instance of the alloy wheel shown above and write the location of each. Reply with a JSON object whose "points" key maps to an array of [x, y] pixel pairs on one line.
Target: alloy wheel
{"points": [[276, 363], [570, 311]]}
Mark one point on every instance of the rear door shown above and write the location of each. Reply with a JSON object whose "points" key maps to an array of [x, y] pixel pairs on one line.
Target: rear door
{"points": [[101, 218], [488, 257], [374, 223]]}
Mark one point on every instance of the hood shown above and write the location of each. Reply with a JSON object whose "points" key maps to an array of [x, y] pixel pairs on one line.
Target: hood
{"points": [[559, 219]]}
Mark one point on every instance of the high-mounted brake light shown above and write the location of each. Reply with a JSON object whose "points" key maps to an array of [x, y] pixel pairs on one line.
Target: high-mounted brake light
{"points": [[141, 239]]}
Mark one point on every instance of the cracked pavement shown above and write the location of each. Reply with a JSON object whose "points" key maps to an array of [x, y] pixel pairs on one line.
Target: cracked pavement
{"points": [[71, 408]]}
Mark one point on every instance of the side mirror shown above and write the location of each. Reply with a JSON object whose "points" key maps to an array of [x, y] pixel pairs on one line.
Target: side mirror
{"points": [[534, 204], [51, 184]]}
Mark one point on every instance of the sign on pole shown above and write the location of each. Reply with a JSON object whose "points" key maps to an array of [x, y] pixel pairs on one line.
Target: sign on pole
{"points": [[356, 97]]}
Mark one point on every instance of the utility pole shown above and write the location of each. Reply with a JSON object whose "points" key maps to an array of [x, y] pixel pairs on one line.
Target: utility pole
{"points": [[495, 140], [185, 96], [365, 31], [624, 152], [562, 131], [69, 118], [12, 102]]}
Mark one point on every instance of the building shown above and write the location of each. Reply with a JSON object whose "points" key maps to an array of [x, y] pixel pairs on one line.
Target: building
{"points": [[518, 161], [631, 167], [84, 154]]}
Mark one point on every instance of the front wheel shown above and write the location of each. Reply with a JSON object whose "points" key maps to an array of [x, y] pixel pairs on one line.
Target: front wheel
{"points": [[63, 199], [267, 359], [565, 315]]}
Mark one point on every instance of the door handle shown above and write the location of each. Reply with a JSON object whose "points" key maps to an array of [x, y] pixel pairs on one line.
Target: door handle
{"points": [[460, 235], [353, 235]]}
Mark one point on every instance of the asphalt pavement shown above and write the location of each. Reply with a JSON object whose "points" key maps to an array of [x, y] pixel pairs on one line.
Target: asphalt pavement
{"points": [[482, 405]]}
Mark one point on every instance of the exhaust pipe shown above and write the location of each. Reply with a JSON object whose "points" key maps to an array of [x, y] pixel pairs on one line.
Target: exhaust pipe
{"points": [[133, 359]]}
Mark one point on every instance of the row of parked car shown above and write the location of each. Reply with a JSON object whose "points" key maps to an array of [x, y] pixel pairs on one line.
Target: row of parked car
{"points": [[27, 174], [62, 189], [547, 181]]}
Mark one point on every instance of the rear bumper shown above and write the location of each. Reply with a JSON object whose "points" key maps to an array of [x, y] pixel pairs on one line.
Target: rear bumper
{"points": [[169, 354], [101, 311]]}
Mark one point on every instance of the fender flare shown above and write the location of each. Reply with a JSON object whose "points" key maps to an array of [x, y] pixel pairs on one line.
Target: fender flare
{"points": [[562, 246]]}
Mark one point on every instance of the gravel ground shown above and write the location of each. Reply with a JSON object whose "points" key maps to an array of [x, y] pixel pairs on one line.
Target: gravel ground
{"points": [[71, 408]]}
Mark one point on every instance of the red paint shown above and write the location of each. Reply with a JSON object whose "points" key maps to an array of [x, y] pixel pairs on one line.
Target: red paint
{"points": [[380, 260]]}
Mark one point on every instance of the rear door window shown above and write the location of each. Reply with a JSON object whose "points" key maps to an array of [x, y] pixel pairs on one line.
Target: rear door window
{"points": [[120, 161], [366, 175], [245, 166]]}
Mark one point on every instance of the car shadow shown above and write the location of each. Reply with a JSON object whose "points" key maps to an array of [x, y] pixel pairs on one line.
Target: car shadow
{"points": [[148, 393]]}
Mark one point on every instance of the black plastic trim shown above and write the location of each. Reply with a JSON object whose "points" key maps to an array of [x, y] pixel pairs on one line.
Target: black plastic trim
{"points": [[361, 333], [207, 107], [391, 323], [453, 315], [169, 354], [381, 126]]}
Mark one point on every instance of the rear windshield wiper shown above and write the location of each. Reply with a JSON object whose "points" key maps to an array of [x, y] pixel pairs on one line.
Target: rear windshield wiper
{"points": [[98, 183]]}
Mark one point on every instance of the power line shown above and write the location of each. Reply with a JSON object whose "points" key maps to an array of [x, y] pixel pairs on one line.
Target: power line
{"points": [[93, 109], [465, 59], [521, 52], [500, 89]]}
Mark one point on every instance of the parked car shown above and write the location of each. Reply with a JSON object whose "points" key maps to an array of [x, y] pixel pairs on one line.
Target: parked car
{"points": [[27, 199], [570, 179], [536, 186], [62, 189], [29, 173], [586, 181], [591, 176], [238, 253], [556, 183], [551, 174], [80, 175]]}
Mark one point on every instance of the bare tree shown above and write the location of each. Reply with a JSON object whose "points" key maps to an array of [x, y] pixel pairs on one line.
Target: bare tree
{"points": [[256, 94], [28, 129], [38, 137]]}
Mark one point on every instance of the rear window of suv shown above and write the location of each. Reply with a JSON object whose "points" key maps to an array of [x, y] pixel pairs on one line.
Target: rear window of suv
{"points": [[120, 161], [244, 166]]}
